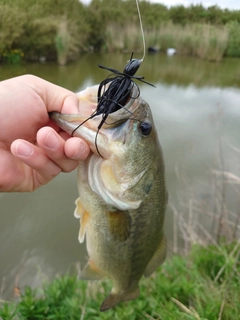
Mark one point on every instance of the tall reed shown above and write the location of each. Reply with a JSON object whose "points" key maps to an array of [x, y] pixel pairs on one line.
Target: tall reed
{"points": [[202, 40], [62, 42], [129, 39], [210, 216]]}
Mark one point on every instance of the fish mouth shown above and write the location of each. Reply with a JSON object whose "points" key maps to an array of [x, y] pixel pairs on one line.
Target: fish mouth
{"points": [[87, 126], [121, 115]]}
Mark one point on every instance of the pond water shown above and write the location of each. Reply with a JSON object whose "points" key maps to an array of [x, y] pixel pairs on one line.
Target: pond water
{"points": [[197, 115]]}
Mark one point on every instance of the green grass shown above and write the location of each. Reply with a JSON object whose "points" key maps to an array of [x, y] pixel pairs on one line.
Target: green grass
{"points": [[203, 285]]}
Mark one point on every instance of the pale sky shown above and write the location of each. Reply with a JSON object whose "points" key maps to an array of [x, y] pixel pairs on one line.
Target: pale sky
{"points": [[230, 4]]}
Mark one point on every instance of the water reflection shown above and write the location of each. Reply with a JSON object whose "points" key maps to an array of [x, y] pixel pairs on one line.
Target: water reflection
{"points": [[196, 112], [179, 70]]}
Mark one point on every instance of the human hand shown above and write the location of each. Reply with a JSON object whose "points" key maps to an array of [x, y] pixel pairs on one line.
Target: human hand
{"points": [[33, 150]]}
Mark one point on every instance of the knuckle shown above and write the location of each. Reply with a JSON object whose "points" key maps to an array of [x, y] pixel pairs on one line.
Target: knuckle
{"points": [[69, 166]]}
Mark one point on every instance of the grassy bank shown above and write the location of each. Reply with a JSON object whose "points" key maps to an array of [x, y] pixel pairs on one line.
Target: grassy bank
{"points": [[60, 30], [202, 285]]}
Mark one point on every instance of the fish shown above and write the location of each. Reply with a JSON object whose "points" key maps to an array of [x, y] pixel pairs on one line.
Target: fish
{"points": [[122, 194]]}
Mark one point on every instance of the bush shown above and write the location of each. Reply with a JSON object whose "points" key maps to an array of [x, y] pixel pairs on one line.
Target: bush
{"points": [[233, 49], [60, 30]]}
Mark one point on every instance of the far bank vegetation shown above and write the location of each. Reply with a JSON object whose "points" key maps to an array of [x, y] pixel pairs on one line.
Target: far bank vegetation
{"points": [[61, 30]]}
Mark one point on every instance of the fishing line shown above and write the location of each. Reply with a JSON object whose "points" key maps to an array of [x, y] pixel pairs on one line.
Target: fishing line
{"points": [[141, 27], [119, 90]]}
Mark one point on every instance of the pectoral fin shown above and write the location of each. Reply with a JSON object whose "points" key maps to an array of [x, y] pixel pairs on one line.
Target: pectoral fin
{"points": [[83, 226], [91, 272], [158, 257], [119, 224], [79, 209]]}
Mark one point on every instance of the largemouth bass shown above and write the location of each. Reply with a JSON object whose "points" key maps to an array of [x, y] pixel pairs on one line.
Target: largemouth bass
{"points": [[122, 194]]}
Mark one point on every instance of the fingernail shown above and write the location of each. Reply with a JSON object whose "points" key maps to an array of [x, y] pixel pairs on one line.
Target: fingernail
{"points": [[51, 141], [24, 149]]}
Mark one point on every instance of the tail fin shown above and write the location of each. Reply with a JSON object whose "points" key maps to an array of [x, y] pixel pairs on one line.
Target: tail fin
{"points": [[114, 298], [110, 301]]}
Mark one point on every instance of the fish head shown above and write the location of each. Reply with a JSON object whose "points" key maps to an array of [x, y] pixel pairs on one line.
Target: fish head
{"points": [[131, 136], [130, 127], [124, 147]]}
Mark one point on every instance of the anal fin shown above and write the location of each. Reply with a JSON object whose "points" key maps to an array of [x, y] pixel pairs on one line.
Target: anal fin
{"points": [[119, 224], [91, 272], [157, 258]]}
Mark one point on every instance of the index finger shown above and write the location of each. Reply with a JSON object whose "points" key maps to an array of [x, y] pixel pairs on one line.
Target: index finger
{"points": [[54, 97]]}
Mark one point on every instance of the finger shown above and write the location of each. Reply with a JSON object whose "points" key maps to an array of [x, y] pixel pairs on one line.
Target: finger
{"points": [[36, 159], [54, 97], [53, 145], [76, 148]]}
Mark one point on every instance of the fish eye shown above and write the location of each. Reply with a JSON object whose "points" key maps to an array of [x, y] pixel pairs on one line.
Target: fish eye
{"points": [[145, 128]]}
